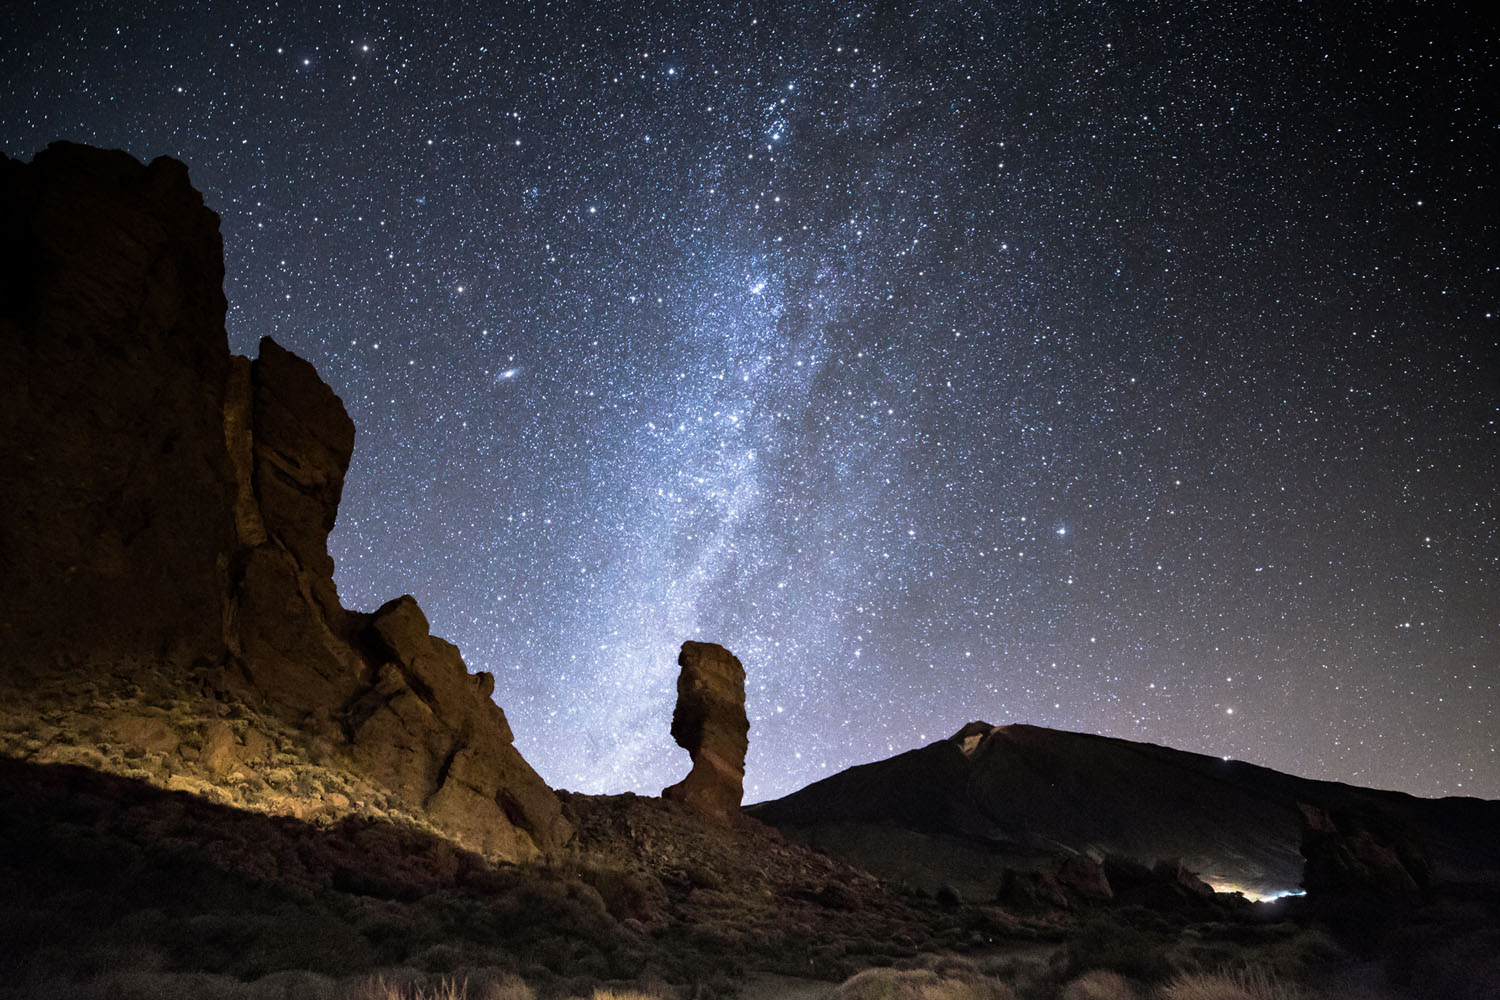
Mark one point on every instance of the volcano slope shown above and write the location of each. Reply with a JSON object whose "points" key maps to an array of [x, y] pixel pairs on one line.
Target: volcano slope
{"points": [[956, 811]]}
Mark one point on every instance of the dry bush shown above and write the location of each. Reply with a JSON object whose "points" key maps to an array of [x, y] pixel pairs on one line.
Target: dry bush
{"points": [[1247, 984], [1099, 984], [158, 985], [922, 984], [627, 895], [506, 987], [1108, 943], [378, 987]]}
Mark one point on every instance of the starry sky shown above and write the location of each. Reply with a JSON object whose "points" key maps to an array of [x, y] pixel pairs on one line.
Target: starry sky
{"points": [[1124, 371]]}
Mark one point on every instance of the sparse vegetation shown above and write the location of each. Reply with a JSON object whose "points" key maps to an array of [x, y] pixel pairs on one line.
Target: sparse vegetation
{"points": [[382, 987], [1114, 945], [1245, 984], [141, 891], [1099, 985], [947, 982]]}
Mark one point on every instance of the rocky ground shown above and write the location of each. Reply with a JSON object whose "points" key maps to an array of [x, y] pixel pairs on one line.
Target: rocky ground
{"points": [[115, 887]]}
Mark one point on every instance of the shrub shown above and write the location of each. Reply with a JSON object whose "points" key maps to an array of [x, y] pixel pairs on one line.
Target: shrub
{"points": [[1114, 947], [922, 984], [1247, 984], [505, 987], [703, 877], [1099, 985], [627, 895], [379, 988], [156, 985]]}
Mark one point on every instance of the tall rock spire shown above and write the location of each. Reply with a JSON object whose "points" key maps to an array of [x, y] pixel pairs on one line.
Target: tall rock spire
{"points": [[710, 724]]}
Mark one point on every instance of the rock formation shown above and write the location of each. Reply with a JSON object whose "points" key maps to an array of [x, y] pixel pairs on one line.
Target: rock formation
{"points": [[709, 722], [1062, 883], [1073, 881], [1361, 852], [167, 516]]}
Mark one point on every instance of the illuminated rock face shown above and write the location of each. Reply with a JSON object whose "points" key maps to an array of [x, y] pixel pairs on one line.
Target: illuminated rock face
{"points": [[709, 722], [168, 511]]}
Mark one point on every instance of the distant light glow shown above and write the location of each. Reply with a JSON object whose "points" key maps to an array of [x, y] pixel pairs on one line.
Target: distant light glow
{"points": [[1255, 895]]}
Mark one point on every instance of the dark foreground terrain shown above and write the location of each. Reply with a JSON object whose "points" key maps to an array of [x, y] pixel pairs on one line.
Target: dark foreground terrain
{"points": [[113, 887]]}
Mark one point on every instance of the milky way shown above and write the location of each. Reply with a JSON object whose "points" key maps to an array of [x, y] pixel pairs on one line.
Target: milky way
{"points": [[1131, 373]]}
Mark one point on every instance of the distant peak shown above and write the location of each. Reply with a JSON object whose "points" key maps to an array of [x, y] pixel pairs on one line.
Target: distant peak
{"points": [[969, 737]]}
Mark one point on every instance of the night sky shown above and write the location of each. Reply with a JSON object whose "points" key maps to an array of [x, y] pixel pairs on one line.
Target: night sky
{"points": [[1126, 372]]}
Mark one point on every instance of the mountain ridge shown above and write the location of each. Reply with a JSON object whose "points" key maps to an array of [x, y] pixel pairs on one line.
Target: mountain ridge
{"points": [[1019, 792]]}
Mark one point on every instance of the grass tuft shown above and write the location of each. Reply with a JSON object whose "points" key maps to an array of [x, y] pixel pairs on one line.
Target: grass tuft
{"points": [[948, 983], [1246, 984], [1100, 984], [379, 988]]}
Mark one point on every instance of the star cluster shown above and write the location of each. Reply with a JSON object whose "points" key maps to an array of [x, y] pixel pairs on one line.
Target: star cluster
{"points": [[1126, 371]]}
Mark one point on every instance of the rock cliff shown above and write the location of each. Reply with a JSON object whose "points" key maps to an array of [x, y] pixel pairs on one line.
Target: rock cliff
{"points": [[709, 722], [167, 583]]}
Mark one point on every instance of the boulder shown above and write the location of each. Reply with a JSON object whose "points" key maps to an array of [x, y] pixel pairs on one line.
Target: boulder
{"points": [[1174, 873], [1169, 887], [709, 722], [1072, 881], [1032, 889], [1063, 882], [1083, 878], [1363, 853], [1126, 873]]}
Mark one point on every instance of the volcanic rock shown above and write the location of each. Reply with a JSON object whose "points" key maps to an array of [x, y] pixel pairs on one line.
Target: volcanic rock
{"points": [[709, 722], [1361, 852], [1178, 875], [113, 361], [1063, 882], [166, 529]]}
